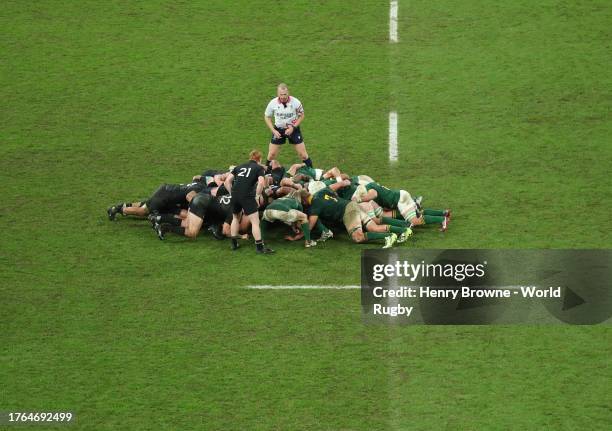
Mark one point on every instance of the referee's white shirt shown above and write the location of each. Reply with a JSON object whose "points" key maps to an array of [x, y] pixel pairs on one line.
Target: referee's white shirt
{"points": [[284, 115]]}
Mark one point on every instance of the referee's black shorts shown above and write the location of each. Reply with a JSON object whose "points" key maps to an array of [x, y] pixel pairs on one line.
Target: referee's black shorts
{"points": [[294, 138], [248, 203]]}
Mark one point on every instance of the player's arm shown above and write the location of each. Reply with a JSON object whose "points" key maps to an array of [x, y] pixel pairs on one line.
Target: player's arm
{"points": [[337, 186], [190, 195], [220, 178], [261, 185], [367, 197], [270, 125], [300, 116], [296, 123], [293, 169], [332, 173], [228, 183]]}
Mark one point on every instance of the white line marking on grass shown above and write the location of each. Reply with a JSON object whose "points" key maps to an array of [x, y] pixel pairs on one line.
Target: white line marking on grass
{"points": [[393, 136], [393, 21], [282, 287]]}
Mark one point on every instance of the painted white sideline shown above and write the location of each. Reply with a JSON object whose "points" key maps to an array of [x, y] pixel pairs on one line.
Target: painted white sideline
{"points": [[393, 136], [393, 21]]}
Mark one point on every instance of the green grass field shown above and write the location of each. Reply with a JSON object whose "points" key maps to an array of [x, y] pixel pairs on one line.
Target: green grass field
{"points": [[504, 116]]}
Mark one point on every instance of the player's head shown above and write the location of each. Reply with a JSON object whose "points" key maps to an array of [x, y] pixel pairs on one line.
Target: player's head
{"points": [[282, 91], [255, 155], [361, 191], [315, 186]]}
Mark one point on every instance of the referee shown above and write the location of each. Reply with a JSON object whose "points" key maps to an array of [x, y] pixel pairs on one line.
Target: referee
{"points": [[283, 116], [246, 183]]}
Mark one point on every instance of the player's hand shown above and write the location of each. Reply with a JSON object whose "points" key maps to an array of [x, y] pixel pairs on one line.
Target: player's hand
{"points": [[289, 130], [196, 178], [296, 237], [276, 134]]}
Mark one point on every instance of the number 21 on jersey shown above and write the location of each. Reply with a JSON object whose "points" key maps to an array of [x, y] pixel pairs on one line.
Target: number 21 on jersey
{"points": [[244, 172]]}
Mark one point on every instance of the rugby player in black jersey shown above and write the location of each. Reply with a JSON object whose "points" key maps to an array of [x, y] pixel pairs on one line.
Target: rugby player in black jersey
{"points": [[167, 199], [246, 183], [204, 209]]}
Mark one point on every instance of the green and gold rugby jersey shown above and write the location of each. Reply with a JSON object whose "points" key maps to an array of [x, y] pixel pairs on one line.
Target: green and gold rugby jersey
{"points": [[386, 198], [328, 205], [285, 204]]}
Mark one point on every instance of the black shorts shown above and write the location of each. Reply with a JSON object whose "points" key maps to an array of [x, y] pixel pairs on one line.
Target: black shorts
{"points": [[294, 138], [199, 204], [166, 199], [245, 202]]}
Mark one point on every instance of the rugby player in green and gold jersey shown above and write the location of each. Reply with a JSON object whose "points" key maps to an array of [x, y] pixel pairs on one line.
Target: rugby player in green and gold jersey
{"points": [[289, 210], [401, 200], [327, 205], [373, 220]]}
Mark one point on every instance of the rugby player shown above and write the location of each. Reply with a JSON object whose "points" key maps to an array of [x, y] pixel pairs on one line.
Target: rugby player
{"points": [[168, 198], [246, 183], [401, 201], [327, 205], [203, 209], [289, 210]]}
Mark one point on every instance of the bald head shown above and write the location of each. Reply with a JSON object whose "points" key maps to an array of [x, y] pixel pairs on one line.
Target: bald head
{"points": [[282, 91]]}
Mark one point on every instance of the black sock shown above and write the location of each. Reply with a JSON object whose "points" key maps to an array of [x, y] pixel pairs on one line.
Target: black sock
{"points": [[308, 162], [234, 243], [259, 244]]}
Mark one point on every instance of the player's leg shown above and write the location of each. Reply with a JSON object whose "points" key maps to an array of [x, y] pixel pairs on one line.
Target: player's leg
{"points": [[441, 217], [256, 231], [255, 228], [274, 149], [195, 216], [166, 218], [353, 224], [297, 140], [193, 225], [137, 209], [371, 224], [408, 209], [290, 217], [300, 149], [235, 226]]}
